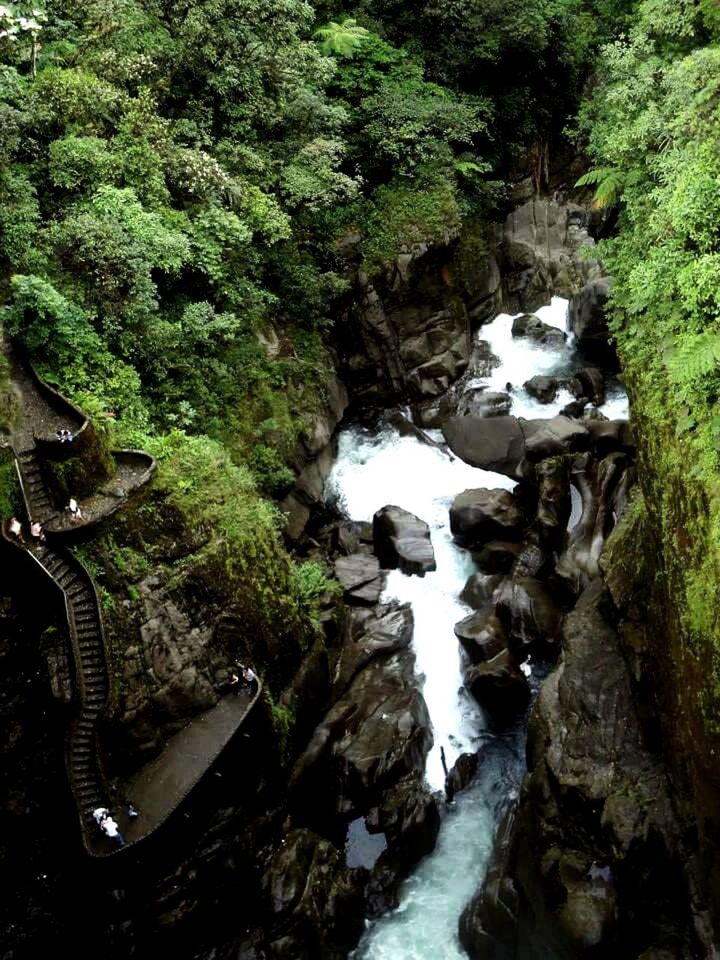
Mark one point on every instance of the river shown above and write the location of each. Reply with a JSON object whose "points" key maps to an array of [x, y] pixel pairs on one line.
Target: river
{"points": [[373, 469]]}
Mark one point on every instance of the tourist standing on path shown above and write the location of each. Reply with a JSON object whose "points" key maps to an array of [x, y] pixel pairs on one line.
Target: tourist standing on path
{"points": [[16, 529], [251, 681]]}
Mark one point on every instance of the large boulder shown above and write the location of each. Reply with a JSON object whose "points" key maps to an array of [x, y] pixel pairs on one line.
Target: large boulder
{"points": [[461, 775], [316, 902], [533, 328], [530, 614], [480, 589], [499, 687], [479, 402], [554, 437], [481, 634], [477, 516], [491, 443], [402, 540], [380, 632], [361, 577], [588, 321], [542, 388], [497, 556], [376, 733]]}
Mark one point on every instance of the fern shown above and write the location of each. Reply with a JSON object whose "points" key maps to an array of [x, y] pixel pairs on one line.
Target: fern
{"points": [[341, 39], [608, 183], [696, 358]]}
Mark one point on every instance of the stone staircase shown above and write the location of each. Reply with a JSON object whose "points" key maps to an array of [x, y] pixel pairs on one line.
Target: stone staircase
{"points": [[39, 505], [92, 681]]}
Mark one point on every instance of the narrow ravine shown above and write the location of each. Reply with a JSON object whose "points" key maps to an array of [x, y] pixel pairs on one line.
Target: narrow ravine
{"points": [[375, 469]]}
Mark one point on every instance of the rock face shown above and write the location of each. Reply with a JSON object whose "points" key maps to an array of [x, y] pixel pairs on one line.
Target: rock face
{"points": [[402, 540], [361, 577], [595, 824], [407, 334], [540, 253], [316, 902], [312, 459], [477, 516], [588, 321], [377, 732]]}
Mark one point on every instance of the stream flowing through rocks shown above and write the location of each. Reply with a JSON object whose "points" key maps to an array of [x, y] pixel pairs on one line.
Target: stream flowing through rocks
{"points": [[376, 468]]}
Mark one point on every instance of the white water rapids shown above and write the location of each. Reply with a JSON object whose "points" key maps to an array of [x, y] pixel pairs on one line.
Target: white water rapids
{"points": [[371, 471]]}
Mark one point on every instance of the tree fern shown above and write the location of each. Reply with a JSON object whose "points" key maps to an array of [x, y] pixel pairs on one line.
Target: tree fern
{"points": [[341, 39], [608, 183], [696, 358]]}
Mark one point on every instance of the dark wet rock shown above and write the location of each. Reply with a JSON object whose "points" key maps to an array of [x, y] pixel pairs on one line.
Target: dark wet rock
{"points": [[499, 686], [376, 733], [480, 590], [554, 504], [596, 823], [575, 408], [482, 360], [533, 328], [409, 817], [406, 428], [361, 577], [611, 435], [497, 556], [596, 481], [592, 383], [402, 540], [461, 775], [315, 900], [477, 516], [380, 632], [491, 443], [543, 245], [484, 403], [542, 388], [588, 321], [554, 437], [487, 927], [481, 634], [531, 616]]}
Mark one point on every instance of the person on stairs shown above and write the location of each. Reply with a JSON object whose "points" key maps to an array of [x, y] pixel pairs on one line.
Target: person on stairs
{"points": [[36, 530], [74, 510], [64, 435], [16, 529]]}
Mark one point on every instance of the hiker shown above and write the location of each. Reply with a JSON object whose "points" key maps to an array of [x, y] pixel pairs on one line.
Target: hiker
{"points": [[251, 681], [75, 511], [133, 812], [100, 814], [36, 530], [110, 829], [64, 435], [16, 529]]}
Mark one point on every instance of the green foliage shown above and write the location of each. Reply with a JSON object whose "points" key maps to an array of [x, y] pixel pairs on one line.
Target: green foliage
{"points": [[608, 182], [341, 39], [652, 127]]}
